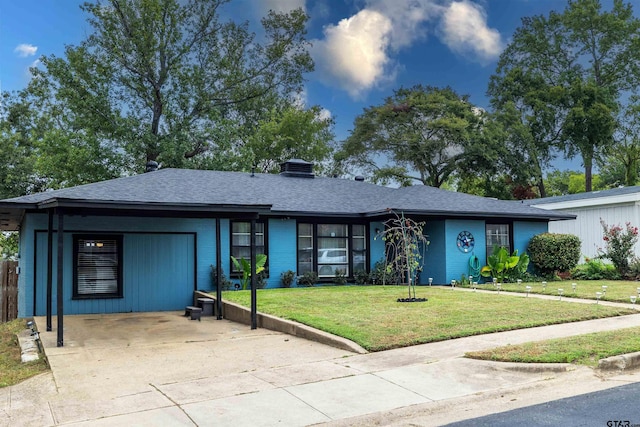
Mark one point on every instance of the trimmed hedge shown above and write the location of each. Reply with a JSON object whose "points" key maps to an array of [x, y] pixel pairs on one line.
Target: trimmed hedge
{"points": [[551, 252]]}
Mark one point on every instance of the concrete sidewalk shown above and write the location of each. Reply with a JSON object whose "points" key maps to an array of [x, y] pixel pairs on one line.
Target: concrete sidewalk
{"points": [[161, 369]]}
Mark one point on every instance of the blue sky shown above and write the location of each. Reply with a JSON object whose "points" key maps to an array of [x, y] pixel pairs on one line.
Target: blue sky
{"points": [[363, 49]]}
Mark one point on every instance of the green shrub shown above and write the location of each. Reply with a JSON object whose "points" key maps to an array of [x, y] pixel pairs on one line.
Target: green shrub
{"points": [[503, 266], [340, 278], [551, 252], [309, 278], [361, 277], [619, 245], [634, 268], [383, 274], [226, 283], [595, 269], [261, 279], [287, 278]]}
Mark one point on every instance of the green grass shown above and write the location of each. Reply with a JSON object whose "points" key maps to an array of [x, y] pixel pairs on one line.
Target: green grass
{"points": [[617, 290], [12, 370], [582, 349], [371, 316]]}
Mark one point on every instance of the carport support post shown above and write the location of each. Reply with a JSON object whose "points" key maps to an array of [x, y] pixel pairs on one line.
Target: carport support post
{"points": [[60, 296], [254, 300], [218, 271], [49, 268]]}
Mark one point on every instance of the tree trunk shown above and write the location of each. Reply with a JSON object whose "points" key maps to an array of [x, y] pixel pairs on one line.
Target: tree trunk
{"points": [[541, 188], [588, 167]]}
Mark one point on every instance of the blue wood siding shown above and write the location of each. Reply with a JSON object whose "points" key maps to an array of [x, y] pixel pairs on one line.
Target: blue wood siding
{"points": [[170, 246], [158, 275], [26, 264], [376, 244], [458, 261], [523, 231], [282, 249], [435, 260]]}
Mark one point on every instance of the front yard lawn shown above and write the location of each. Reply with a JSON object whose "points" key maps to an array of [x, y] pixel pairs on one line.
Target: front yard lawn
{"points": [[616, 290], [585, 349], [372, 317]]}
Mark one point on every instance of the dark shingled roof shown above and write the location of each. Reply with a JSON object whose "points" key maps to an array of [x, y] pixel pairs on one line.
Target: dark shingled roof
{"points": [[582, 196], [277, 194]]}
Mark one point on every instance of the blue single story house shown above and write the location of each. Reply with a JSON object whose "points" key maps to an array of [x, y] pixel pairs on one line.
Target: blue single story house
{"points": [[146, 242]]}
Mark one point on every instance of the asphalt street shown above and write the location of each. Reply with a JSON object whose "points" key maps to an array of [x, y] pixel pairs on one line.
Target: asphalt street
{"points": [[614, 407]]}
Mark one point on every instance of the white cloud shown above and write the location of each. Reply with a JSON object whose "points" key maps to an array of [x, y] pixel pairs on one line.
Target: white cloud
{"points": [[324, 114], [407, 18], [353, 54], [299, 99], [464, 30], [357, 53], [23, 50]]}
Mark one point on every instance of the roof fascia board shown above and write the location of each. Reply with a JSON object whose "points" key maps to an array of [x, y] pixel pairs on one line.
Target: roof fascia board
{"points": [[448, 214], [66, 203], [594, 201]]}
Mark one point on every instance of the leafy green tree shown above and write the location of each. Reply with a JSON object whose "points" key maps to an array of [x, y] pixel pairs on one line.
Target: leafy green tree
{"points": [[425, 133], [622, 164], [42, 150], [560, 183], [8, 245], [16, 167], [576, 66], [557, 182], [167, 80], [286, 131]]}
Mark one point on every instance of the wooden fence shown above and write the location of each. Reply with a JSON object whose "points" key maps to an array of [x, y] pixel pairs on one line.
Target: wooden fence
{"points": [[8, 290]]}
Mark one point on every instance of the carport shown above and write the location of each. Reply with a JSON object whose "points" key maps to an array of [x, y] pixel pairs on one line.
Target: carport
{"points": [[55, 245]]}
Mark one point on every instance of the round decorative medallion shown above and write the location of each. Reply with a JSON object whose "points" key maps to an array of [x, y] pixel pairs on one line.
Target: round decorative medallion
{"points": [[465, 241]]}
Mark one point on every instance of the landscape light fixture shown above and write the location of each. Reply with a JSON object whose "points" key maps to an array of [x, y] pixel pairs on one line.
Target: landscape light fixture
{"points": [[573, 286], [528, 289], [604, 290], [519, 281], [453, 283], [598, 296], [560, 292], [475, 285], [430, 280], [499, 286], [633, 299], [544, 286]]}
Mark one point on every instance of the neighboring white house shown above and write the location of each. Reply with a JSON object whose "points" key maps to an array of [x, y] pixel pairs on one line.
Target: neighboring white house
{"points": [[615, 206]]}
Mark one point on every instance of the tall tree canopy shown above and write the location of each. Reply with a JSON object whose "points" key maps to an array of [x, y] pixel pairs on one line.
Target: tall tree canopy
{"points": [[420, 134], [621, 166], [575, 67], [167, 80]]}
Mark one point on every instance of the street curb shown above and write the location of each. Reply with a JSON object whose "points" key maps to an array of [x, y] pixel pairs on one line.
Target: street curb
{"points": [[240, 314], [538, 368], [620, 363]]}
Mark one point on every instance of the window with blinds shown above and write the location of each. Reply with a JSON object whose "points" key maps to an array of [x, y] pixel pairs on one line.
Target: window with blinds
{"points": [[97, 266]]}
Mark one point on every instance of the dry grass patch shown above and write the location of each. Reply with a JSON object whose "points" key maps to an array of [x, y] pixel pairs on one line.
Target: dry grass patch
{"points": [[12, 370], [371, 316]]}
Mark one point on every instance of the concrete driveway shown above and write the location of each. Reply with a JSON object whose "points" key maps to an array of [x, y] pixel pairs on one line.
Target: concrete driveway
{"points": [[162, 369], [146, 363]]}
